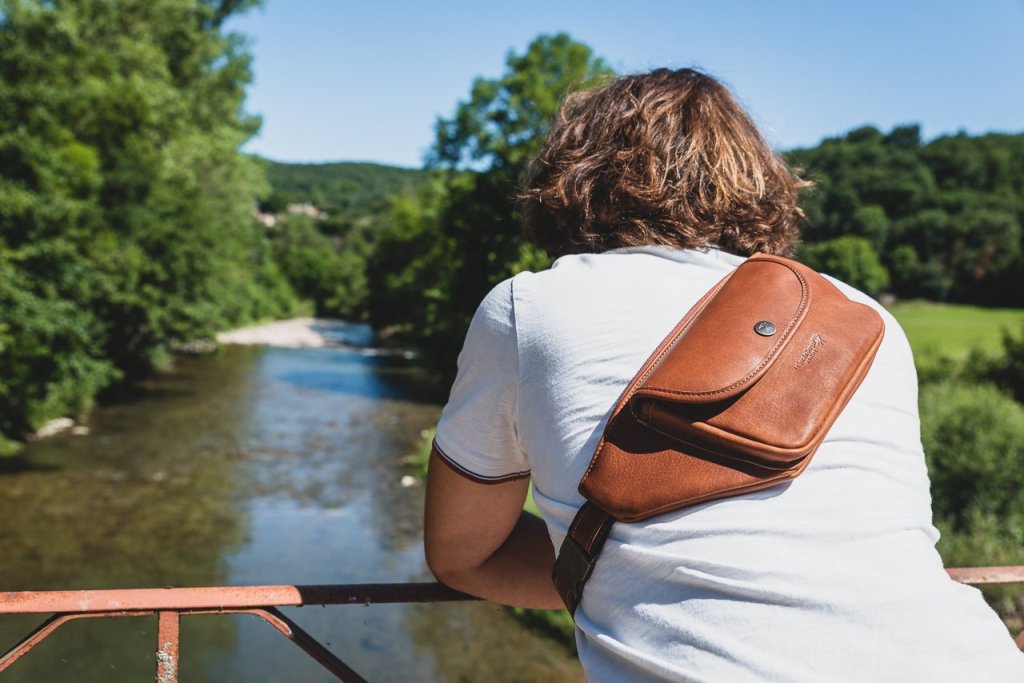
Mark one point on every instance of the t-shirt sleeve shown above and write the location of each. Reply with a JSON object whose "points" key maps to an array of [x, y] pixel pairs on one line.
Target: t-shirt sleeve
{"points": [[477, 432]]}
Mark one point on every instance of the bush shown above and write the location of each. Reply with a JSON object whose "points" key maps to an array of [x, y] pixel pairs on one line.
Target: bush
{"points": [[973, 437], [420, 457], [1007, 370], [327, 270], [851, 259], [987, 543]]}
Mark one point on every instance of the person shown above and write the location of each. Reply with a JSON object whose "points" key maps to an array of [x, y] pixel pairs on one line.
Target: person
{"points": [[660, 182]]}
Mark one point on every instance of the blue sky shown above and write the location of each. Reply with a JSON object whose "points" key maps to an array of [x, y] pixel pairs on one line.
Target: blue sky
{"points": [[342, 80]]}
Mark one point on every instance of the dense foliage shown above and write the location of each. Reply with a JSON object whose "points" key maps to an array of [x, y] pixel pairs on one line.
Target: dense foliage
{"points": [[943, 218], [338, 188], [324, 256], [889, 213], [1007, 369], [326, 269], [125, 206], [973, 435]]}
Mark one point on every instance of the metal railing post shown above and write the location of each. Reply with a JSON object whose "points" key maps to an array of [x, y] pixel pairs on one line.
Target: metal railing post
{"points": [[168, 633]]}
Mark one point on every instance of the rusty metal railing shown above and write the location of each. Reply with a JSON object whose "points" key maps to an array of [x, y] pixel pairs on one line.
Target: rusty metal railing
{"points": [[170, 604]]}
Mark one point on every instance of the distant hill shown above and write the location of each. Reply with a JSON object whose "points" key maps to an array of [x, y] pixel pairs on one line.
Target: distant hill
{"points": [[341, 188]]}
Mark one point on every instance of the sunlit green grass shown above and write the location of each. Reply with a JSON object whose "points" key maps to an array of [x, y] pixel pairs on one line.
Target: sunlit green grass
{"points": [[529, 505], [953, 330]]}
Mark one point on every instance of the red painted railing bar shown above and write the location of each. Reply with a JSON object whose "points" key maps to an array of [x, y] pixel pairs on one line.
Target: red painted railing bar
{"points": [[241, 597], [171, 603], [980, 575], [222, 597]]}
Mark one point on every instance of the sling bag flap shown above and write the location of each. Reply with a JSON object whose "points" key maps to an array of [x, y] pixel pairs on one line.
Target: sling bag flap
{"points": [[736, 398]]}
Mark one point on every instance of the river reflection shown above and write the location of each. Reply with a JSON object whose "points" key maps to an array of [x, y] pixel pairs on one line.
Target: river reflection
{"points": [[257, 466]]}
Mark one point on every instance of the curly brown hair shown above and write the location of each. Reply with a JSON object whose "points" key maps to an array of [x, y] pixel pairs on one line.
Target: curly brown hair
{"points": [[667, 157]]}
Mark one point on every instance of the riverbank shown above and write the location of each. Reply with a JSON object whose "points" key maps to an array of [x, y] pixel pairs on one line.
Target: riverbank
{"points": [[297, 333], [313, 333]]}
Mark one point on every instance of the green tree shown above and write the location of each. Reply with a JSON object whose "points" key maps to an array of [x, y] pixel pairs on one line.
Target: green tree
{"points": [[988, 245], [345, 190], [125, 205], [505, 120], [447, 253], [327, 270], [409, 272], [851, 259], [957, 202], [871, 223]]}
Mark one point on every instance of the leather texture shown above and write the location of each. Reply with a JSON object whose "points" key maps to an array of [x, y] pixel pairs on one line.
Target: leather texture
{"points": [[736, 398]]}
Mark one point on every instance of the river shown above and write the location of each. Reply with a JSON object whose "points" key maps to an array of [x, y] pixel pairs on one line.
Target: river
{"points": [[252, 466]]}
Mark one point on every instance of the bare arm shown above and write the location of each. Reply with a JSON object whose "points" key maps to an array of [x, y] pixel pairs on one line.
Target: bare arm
{"points": [[478, 539]]}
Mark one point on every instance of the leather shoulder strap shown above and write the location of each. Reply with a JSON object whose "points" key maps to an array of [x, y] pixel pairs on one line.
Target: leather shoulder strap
{"points": [[579, 551]]}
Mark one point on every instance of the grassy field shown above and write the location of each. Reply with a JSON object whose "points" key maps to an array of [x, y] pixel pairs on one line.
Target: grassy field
{"points": [[953, 330]]}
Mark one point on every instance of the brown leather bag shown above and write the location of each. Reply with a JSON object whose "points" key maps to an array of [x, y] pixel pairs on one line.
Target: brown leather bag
{"points": [[736, 398]]}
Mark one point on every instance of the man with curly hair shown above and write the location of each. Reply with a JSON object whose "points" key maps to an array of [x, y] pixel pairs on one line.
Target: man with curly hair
{"points": [[660, 183]]}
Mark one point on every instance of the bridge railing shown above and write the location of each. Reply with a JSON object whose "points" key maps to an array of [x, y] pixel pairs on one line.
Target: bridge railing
{"points": [[170, 604]]}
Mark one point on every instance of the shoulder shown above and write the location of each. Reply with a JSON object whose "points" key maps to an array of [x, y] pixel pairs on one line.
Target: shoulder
{"points": [[496, 309], [624, 267]]}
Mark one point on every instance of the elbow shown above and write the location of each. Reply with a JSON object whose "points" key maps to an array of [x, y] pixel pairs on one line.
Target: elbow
{"points": [[439, 563], [444, 563], [441, 571]]}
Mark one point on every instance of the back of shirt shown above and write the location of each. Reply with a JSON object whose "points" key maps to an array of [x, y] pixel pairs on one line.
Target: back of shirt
{"points": [[831, 577]]}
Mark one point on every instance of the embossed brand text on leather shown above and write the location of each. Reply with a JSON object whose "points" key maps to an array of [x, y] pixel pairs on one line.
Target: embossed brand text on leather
{"points": [[809, 352]]}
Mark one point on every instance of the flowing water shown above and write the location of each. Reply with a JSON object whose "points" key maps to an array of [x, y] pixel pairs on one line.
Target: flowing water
{"points": [[254, 466]]}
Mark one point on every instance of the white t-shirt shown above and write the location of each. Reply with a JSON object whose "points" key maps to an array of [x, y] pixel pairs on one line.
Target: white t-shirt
{"points": [[833, 577]]}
